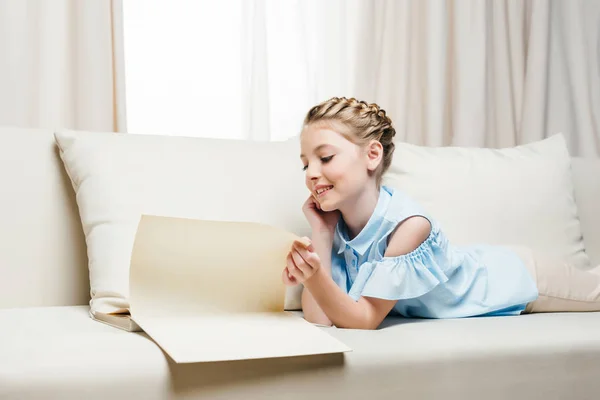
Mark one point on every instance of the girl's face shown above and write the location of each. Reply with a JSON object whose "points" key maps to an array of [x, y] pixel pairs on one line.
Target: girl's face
{"points": [[336, 168]]}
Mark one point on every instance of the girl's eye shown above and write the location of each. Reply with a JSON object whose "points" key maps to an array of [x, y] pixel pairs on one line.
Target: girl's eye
{"points": [[323, 160]]}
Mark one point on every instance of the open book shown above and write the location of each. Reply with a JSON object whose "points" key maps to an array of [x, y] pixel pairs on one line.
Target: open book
{"points": [[212, 291]]}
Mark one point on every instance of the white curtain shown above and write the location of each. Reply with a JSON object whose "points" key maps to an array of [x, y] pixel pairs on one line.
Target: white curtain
{"points": [[61, 64], [472, 73]]}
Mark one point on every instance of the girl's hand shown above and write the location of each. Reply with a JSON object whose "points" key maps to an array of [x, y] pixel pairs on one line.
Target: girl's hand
{"points": [[302, 263], [319, 220]]}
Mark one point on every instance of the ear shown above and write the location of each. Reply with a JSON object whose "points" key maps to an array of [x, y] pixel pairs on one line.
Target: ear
{"points": [[374, 154]]}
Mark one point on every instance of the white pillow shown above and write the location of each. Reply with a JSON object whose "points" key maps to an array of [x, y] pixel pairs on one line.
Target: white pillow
{"points": [[117, 177], [521, 196]]}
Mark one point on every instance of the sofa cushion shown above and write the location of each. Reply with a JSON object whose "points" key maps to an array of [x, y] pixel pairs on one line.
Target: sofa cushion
{"points": [[118, 177], [60, 353], [522, 196], [587, 194]]}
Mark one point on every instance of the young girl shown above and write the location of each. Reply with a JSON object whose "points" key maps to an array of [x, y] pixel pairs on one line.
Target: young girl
{"points": [[374, 250]]}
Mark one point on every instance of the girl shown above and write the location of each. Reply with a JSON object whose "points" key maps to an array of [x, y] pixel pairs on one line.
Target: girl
{"points": [[374, 250]]}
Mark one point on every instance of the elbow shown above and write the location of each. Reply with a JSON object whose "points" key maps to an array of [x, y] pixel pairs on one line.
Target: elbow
{"points": [[312, 312], [317, 319], [362, 324], [366, 327], [369, 326]]}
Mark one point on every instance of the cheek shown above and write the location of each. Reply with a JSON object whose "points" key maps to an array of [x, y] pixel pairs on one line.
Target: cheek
{"points": [[335, 173], [349, 175]]}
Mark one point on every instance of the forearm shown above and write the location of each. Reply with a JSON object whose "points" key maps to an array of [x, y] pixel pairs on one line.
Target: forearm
{"points": [[312, 311], [322, 243], [340, 308]]}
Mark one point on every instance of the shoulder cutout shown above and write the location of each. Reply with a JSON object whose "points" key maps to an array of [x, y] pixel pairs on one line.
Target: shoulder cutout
{"points": [[408, 235]]}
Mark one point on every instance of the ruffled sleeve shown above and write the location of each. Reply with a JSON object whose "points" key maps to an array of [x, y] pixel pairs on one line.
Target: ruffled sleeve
{"points": [[404, 277]]}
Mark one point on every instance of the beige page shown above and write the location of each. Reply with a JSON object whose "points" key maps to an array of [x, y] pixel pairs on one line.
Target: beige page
{"points": [[212, 291]]}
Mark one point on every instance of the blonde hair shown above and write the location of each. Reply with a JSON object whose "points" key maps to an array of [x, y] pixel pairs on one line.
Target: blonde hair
{"points": [[359, 122]]}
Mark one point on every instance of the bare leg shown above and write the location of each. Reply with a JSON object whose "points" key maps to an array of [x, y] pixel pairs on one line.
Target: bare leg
{"points": [[562, 287]]}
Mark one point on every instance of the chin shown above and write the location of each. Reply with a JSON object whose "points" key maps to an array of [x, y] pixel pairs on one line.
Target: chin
{"points": [[326, 209], [328, 206]]}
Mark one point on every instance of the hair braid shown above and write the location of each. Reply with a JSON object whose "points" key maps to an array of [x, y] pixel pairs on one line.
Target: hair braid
{"points": [[364, 122]]}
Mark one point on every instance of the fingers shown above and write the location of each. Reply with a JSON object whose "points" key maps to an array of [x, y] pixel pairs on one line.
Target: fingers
{"points": [[293, 270], [303, 242], [300, 263], [306, 249], [315, 202], [298, 267], [306, 260], [312, 202], [287, 278]]}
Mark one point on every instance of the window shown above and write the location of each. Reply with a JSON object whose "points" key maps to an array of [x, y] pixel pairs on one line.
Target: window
{"points": [[189, 64], [183, 67]]}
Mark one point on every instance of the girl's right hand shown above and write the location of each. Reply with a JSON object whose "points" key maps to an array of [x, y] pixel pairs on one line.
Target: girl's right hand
{"points": [[319, 220]]}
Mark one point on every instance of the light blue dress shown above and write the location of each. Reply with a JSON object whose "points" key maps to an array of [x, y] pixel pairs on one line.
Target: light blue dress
{"points": [[437, 279]]}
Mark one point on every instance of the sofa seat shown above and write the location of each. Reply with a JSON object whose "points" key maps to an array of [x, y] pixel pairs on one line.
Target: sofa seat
{"points": [[60, 353]]}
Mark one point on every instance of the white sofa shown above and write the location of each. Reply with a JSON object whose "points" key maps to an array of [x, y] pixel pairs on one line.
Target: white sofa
{"points": [[50, 348]]}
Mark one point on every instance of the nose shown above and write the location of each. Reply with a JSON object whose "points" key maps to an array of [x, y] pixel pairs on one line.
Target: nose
{"points": [[312, 172]]}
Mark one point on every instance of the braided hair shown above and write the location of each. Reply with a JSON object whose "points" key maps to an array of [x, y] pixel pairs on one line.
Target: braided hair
{"points": [[359, 122]]}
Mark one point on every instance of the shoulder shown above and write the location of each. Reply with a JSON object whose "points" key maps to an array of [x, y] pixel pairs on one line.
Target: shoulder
{"points": [[407, 236], [402, 206]]}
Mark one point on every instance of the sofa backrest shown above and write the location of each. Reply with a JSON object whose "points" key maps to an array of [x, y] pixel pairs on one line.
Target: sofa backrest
{"points": [[43, 259], [586, 179]]}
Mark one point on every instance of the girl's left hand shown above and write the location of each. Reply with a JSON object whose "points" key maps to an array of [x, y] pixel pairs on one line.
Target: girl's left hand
{"points": [[302, 263]]}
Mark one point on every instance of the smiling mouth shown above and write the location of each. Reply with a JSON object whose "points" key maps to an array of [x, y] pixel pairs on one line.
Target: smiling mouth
{"points": [[324, 190]]}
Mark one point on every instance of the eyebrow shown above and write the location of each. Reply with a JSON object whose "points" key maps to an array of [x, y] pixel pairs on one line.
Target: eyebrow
{"points": [[319, 147]]}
